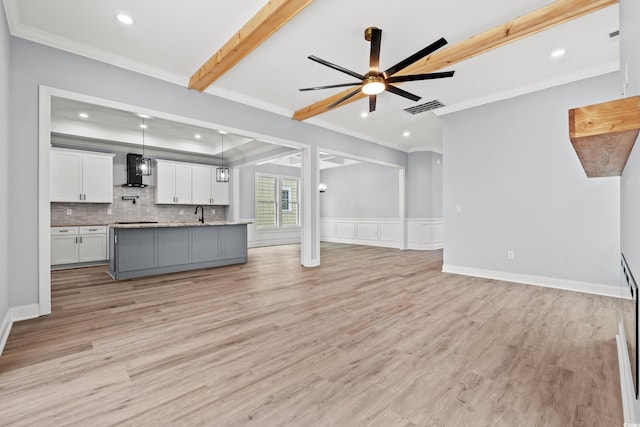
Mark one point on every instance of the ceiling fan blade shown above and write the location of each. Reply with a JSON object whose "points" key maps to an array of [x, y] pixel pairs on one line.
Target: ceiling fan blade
{"points": [[336, 67], [344, 98], [415, 57], [402, 93], [372, 103], [374, 56], [330, 86], [415, 77]]}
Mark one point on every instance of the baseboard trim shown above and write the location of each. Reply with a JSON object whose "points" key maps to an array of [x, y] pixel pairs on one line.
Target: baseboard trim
{"points": [[377, 243], [629, 402], [547, 282], [16, 314], [5, 329], [424, 246]]}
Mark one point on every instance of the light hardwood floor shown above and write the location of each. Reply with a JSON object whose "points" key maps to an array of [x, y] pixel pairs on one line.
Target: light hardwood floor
{"points": [[373, 337]]}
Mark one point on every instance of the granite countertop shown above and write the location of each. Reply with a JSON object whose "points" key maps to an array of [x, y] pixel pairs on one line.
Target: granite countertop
{"points": [[179, 224]]}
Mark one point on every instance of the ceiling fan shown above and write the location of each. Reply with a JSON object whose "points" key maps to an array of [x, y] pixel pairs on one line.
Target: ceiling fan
{"points": [[375, 82]]}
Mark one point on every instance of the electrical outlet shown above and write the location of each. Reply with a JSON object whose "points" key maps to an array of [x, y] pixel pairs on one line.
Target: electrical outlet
{"points": [[109, 211], [458, 208], [213, 211], [69, 212], [511, 255]]}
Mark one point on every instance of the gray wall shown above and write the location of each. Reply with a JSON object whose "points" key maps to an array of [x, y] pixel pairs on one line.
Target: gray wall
{"points": [[363, 190], [248, 185], [630, 181], [4, 164], [512, 169], [424, 185], [32, 65]]}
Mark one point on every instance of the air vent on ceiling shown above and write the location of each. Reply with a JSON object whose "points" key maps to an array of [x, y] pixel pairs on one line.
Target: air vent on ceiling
{"points": [[431, 105]]}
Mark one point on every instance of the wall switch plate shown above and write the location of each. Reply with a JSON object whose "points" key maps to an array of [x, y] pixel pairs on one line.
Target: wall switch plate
{"points": [[181, 211], [109, 211], [213, 211], [69, 211], [458, 208], [511, 255]]}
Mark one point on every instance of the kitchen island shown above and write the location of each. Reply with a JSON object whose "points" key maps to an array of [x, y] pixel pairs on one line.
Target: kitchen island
{"points": [[137, 250]]}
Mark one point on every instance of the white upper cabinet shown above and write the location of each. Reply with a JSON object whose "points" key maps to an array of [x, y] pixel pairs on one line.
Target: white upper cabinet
{"points": [[201, 184], [173, 183], [81, 176], [206, 191], [219, 191]]}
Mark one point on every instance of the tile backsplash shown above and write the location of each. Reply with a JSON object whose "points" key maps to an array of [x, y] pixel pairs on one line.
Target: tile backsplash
{"points": [[144, 209]]}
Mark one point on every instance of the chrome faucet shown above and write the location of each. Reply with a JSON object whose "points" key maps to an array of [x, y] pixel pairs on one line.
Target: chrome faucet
{"points": [[201, 219]]}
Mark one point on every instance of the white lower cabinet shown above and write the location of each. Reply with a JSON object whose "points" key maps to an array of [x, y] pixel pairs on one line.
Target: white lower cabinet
{"points": [[71, 245]]}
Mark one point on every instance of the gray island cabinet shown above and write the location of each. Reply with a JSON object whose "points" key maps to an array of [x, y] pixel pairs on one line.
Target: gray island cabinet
{"points": [[137, 250]]}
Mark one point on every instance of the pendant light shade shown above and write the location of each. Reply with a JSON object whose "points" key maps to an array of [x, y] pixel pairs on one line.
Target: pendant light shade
{"points": [[222, 173], [143, 164]]}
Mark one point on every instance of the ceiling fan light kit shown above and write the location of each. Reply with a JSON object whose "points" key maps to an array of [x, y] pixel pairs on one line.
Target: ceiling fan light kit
{"points": [[375, 82]]}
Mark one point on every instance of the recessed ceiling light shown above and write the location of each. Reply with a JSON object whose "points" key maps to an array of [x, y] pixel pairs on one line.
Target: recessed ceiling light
{"points": [[364, 115], [83, 115], [222, 132], [406, 134], [197, 136], [124, 19], [144, 116], [143, 126], [558, 53]]}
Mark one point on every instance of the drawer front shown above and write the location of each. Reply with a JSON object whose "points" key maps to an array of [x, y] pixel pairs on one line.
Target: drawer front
{"points": [[95, 229], [62, 231]]}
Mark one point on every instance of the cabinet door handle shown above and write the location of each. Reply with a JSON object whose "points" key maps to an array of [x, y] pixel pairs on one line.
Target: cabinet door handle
{"points": [[63, 231], [85, 197], [80, 239], [76, 239], [93, 229], [80, 196]]}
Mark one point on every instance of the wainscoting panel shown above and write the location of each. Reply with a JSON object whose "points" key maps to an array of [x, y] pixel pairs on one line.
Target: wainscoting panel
{"points": [[389, 232], [367, 231], [271, 236], [345, 230], [423, 233]]}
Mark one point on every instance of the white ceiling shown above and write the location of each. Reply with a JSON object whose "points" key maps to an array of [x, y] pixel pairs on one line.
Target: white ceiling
{"points": [[172, 39]]}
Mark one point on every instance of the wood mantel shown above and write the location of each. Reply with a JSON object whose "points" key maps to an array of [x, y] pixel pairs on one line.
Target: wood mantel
{"points": [[603, 135]]}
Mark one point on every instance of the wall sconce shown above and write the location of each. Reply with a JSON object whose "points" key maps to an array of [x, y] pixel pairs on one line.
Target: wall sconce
{"points": [[322, 187]]}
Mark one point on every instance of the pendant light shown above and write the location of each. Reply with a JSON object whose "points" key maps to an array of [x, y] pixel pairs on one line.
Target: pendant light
{"points": [[222, 173], [143, 164]]}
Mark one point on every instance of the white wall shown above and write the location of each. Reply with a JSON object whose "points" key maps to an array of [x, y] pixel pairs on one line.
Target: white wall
{"points": [[363, 190], [512, 170], [629, 85], [424, 185], [4, 165], [630, 182]]}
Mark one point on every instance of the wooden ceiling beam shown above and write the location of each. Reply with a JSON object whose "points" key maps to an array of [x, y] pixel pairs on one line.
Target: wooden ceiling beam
{"points": [[259, 28], [549, 16]]}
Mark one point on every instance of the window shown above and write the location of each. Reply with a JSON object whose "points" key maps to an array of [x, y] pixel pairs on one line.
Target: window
{"points": [[276, 202]]}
